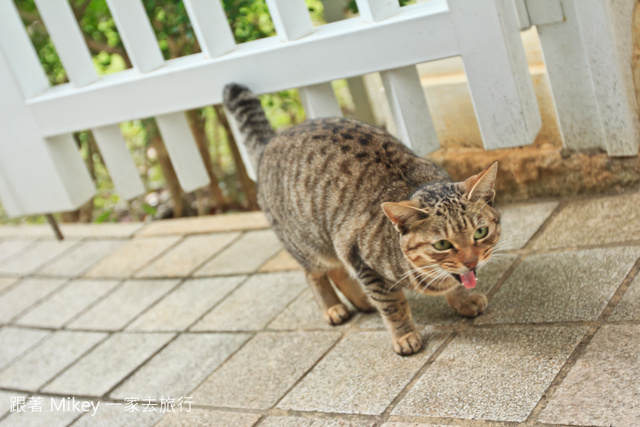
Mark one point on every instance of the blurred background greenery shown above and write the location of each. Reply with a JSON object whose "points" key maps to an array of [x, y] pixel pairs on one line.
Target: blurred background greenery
{"points": [[230, 189]]}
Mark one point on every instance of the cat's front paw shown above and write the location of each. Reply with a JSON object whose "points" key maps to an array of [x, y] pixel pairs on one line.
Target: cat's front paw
{"points": [[473, 305], [408, 344], [337, 314]]}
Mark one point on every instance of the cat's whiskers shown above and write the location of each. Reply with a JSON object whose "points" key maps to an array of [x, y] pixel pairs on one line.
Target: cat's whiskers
{"points": [[404, 276], [440, 277], [440, 272], [425, 276]]}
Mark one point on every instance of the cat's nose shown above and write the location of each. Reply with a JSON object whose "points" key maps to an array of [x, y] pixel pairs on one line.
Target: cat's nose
{"points": [[471, 263]]}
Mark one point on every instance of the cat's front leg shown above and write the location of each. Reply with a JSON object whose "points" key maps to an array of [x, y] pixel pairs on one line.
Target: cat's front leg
{"points": [[467, 303], [395, 311]]}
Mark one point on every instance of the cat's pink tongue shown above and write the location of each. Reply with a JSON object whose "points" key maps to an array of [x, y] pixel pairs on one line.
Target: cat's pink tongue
{"points": [[468, 280]]}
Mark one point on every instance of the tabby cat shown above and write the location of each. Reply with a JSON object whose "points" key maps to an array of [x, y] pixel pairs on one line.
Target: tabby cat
{"points": [[355, 207]]}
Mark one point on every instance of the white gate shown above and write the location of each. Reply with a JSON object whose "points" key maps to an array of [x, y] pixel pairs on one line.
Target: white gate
{"points": [[42, 171]]}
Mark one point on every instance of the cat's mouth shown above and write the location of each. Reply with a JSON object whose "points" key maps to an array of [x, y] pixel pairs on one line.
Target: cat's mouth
{"points": [[468, 280]]}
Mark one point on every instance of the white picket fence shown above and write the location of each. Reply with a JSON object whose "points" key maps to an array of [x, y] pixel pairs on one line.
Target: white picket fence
{"points": [[585, 43]]}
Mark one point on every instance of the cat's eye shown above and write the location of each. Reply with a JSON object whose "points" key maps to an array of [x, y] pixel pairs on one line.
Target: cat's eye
{"points": [[442, 245], [480, 233]]}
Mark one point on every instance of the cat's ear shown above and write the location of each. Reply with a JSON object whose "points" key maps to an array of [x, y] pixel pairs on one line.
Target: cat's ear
{"points": [[403, 214], [482, 185]]}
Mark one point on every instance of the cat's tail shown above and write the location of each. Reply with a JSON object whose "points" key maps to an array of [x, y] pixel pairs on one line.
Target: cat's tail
{"points": [[252, 123]]}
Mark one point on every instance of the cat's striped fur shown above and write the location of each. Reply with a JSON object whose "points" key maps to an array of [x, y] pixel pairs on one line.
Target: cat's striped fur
{"points": [[321, 185]]}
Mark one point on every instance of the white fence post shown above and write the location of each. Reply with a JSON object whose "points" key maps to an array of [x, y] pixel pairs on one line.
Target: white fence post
{"points": [[493, 56], [573, 93], [609, 55]]}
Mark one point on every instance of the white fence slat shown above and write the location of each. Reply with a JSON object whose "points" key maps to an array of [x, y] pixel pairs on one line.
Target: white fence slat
{"points": [[39, 175], [119, 163], [211, 26], [191, 82], [360, 97], [545, 11], [250, 165], [497, 71], [611, 74], [573, 93], [70, 168], [319, 101], [19, 51], [8, 198], [410, 111], [377, 10], [183, 151], [290, 18], [68, 40], [136, 33]]}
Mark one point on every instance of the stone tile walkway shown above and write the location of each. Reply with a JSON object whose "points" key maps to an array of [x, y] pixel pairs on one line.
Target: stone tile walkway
{"points": [[208, 321]]}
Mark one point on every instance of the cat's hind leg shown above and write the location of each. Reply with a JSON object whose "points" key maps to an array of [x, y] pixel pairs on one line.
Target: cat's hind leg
{"points": [[465, 302], [351, 289], [333, 310]]}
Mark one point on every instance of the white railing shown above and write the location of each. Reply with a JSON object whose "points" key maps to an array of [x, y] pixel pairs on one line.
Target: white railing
{"points": [[584, 41]]}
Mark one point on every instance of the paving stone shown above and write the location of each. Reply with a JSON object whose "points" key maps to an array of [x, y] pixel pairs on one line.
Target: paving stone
{"points": [[435, 310], [558, 287], [134, 255], [16, 341], [361, 375], [492, 374], [106, 365], [121, 229], [35, 256], [244, 256], [273, 421], [594, 222], [180, 308], [26, 231], [50, 415], [188, 255], [629, 307], [254, 304], [5, 401], [110, 414], [6, 282], [207, 224], [65, 304], [124, 304], [396, 424], [519, 222], [602, 387], [304, 313], [204, 417], [25, 294], [264, 369], [181, 366], [81, 257], [48, 358], [9, 248], [283, 261]]}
